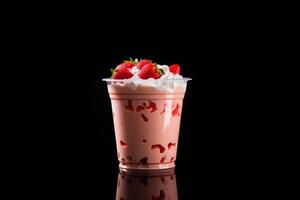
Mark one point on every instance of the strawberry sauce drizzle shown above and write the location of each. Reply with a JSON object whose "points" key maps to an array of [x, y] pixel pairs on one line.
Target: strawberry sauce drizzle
{"points": [[129, 106], [176, 110], [159, 146], [139, 108], [144, 117], [144, 161], [164, 109], [152, 106], [123, 144], [170, 145], [162, 159]]}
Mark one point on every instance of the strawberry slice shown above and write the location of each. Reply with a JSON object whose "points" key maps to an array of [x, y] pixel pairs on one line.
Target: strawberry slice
{"points": [[142, 63], [122, 73], [175, 69], [150, 70]]}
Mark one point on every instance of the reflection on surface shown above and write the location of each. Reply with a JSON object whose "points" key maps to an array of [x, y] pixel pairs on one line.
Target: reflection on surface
{"points": [[147, 185]]}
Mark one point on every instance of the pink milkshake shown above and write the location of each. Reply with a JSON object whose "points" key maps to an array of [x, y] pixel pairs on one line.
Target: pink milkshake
{"points": [[146, 116]]}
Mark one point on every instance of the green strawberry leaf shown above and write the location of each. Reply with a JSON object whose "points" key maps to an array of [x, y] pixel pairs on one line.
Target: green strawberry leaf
{"points": [[161, 71], [131, 60]]}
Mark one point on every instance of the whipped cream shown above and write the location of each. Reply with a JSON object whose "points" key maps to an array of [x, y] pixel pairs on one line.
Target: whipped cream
{"points": [[167, 74], [167, 82]]}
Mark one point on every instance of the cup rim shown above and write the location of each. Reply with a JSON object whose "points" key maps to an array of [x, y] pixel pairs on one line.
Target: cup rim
{"points": [[164, 80]]}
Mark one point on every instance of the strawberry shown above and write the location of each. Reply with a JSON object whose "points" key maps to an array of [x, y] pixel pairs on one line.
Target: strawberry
{"points": [[127, 64], [121, 73], [150, 70], [175, 69], [142, 63]]}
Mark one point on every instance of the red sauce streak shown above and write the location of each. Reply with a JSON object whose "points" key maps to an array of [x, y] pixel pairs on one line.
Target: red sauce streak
{"points": [[139, 108], [144, 140], [129, 106], [152, 106], [122, 198], [144, 117], [160, 197], [170, 145], [172, 159], [160, 147], [144, 161], [162, 159], [176, 110], [144, 104], [123, 160], [164, 109], [123, 144]]}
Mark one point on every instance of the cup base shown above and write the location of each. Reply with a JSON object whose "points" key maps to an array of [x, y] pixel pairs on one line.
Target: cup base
{"points": [[148, 167], [149, 173]]}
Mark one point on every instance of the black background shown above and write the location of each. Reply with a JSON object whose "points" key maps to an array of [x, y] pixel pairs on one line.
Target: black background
{"points": [[71, 139], [74, 148]]}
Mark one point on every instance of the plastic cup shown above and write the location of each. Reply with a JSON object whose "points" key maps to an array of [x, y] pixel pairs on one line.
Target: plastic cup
{"points": [[146, 123]]}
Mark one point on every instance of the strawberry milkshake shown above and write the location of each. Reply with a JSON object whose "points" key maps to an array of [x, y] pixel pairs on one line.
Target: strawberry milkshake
{"points": [[146, 101]]}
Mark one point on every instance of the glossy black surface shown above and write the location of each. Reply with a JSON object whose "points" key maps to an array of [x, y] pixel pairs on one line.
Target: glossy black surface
{"points": [[73, 145]]}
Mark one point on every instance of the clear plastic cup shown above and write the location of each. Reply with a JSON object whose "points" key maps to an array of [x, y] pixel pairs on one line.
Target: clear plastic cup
{"points": [[147, 122]]}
